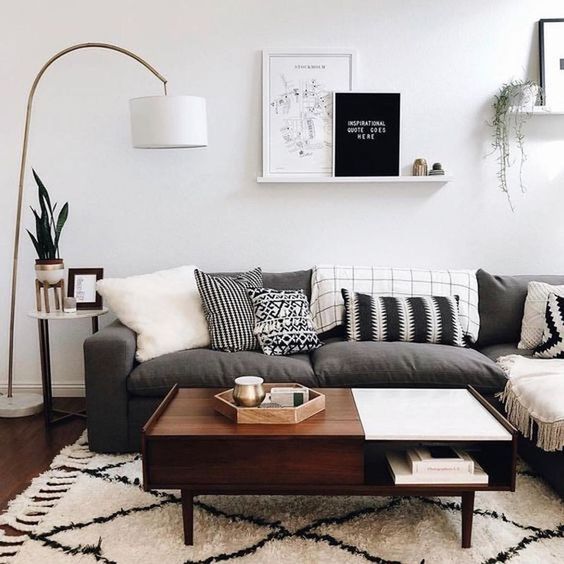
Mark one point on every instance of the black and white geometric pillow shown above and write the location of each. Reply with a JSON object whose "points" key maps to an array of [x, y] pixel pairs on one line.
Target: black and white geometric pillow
{"points": [[283, 322], [429, 319], [552, 344], [228, 309]]}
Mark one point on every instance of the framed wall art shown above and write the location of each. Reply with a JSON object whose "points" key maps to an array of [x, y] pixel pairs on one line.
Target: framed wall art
{"points": [[551, 50], [82, 287], [367, 128], [298, 91]]}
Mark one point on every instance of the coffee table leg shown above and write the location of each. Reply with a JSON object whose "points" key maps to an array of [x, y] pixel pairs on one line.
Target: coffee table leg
{"points": [[467, 514], [188, 516]]}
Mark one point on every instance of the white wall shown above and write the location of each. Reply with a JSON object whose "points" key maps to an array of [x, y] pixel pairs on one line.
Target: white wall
{"points": [[135, 211]]}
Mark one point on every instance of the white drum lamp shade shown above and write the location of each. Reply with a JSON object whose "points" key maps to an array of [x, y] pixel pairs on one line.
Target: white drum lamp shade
{"points": [[168, 122]]}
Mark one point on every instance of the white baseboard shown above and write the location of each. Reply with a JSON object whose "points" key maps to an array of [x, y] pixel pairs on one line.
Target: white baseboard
{"points": [[59, 390]]}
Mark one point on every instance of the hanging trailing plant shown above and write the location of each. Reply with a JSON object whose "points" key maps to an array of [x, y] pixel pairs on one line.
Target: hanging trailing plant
{"points": [[48, 228], [512, 107]]}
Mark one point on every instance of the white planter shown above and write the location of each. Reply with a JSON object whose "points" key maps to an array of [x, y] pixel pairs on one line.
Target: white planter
{"points": [[52, 271], [527, 98]]}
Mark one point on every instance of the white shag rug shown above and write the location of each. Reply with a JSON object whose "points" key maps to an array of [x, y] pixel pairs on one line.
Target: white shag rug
{"points": [[91, 508]]}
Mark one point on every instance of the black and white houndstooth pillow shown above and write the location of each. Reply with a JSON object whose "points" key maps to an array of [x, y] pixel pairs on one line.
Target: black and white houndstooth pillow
{"points": [[552, 344], [228, 309], [283, 322], [430, 319]]}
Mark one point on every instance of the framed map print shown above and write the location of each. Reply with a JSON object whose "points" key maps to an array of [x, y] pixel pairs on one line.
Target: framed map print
{"points": [[298, 91]]}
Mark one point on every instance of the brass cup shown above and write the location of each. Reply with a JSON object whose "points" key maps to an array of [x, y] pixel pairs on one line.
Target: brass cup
{"points": [[248, 391]]}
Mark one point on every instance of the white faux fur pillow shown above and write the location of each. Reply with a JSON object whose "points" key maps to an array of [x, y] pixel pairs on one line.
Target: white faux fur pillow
{"points": [[163, 308], [532, 327]]}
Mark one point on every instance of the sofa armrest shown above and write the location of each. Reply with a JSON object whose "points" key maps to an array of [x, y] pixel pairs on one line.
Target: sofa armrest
{"points": [[109, 357]]}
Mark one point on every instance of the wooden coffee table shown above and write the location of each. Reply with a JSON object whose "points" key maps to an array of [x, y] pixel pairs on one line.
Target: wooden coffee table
{"points": [[190, 447]]}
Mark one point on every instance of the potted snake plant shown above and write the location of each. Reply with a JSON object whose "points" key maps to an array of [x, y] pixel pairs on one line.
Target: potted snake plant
{"points": [[49, 266]]}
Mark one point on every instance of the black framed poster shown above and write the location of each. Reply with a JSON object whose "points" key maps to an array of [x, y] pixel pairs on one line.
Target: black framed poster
{"points": [[366, 127]]}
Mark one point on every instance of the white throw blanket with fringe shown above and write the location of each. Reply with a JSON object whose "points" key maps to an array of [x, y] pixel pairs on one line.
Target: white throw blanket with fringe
{"points": [[534, 396]]}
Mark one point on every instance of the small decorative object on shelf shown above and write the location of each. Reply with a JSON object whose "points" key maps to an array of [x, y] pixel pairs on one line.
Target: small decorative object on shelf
{"points": [[248, 391], [69, 305], [420, 167], [437, 170], [82, 287]]}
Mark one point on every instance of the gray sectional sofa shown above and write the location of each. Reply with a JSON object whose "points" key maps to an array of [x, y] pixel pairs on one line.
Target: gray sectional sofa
{"points": [[121, 394]]}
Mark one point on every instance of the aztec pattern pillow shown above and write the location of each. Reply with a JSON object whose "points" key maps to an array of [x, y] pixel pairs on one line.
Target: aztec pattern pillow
{"points": [[535, 311], [283, 323], [327, 305], [228, 309], [431, 319], [552, 344]]}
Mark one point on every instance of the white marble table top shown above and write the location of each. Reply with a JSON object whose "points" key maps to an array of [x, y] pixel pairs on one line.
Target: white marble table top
{"points": [[426, 414], [61, 316]]}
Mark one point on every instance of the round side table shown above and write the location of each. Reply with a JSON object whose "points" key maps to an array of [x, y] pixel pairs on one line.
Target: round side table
{"points": [[55, 415]]}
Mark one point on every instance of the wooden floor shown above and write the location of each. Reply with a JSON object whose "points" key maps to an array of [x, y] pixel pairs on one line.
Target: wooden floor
{"points": [[27, 448]]}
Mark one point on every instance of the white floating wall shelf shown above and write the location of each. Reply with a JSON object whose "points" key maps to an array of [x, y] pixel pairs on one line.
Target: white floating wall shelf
{"points": [[443, 179], [542, 111]]}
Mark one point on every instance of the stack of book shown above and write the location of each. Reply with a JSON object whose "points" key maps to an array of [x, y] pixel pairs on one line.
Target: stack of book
{"points": [[435, 465]]}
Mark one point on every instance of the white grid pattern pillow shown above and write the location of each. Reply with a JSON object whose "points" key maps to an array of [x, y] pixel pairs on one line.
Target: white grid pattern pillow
{"points": [[327, 305]]}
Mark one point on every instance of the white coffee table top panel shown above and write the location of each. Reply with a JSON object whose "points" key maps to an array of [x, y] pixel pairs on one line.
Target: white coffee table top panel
{"points": [[425, 414]]}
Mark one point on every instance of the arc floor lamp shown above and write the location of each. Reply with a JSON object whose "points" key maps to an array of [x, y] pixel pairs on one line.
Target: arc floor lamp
{"points": [[157, 122]]}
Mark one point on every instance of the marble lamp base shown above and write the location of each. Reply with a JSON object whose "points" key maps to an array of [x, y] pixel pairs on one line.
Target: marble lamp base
{"points": [[20, 405]]}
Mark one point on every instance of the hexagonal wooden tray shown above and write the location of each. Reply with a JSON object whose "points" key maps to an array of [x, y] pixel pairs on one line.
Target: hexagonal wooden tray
{"points": [[223, 402]]}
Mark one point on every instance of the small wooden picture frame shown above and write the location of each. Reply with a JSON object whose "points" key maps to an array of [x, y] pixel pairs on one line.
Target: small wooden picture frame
{"points": [[82, 287]]}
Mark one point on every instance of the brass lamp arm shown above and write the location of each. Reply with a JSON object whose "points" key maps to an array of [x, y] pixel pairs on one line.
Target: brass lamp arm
{"points": [[22, 175]]}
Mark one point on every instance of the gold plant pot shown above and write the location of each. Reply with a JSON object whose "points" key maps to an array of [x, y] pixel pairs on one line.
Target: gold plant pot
{"points": [[51, 271], [248, 391]]}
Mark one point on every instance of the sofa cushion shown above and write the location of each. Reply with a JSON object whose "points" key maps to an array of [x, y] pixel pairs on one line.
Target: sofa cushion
{"points": [[297, 280], [209, 369], [501, 305], [383, 364], [294, 280], [503, 349]]}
